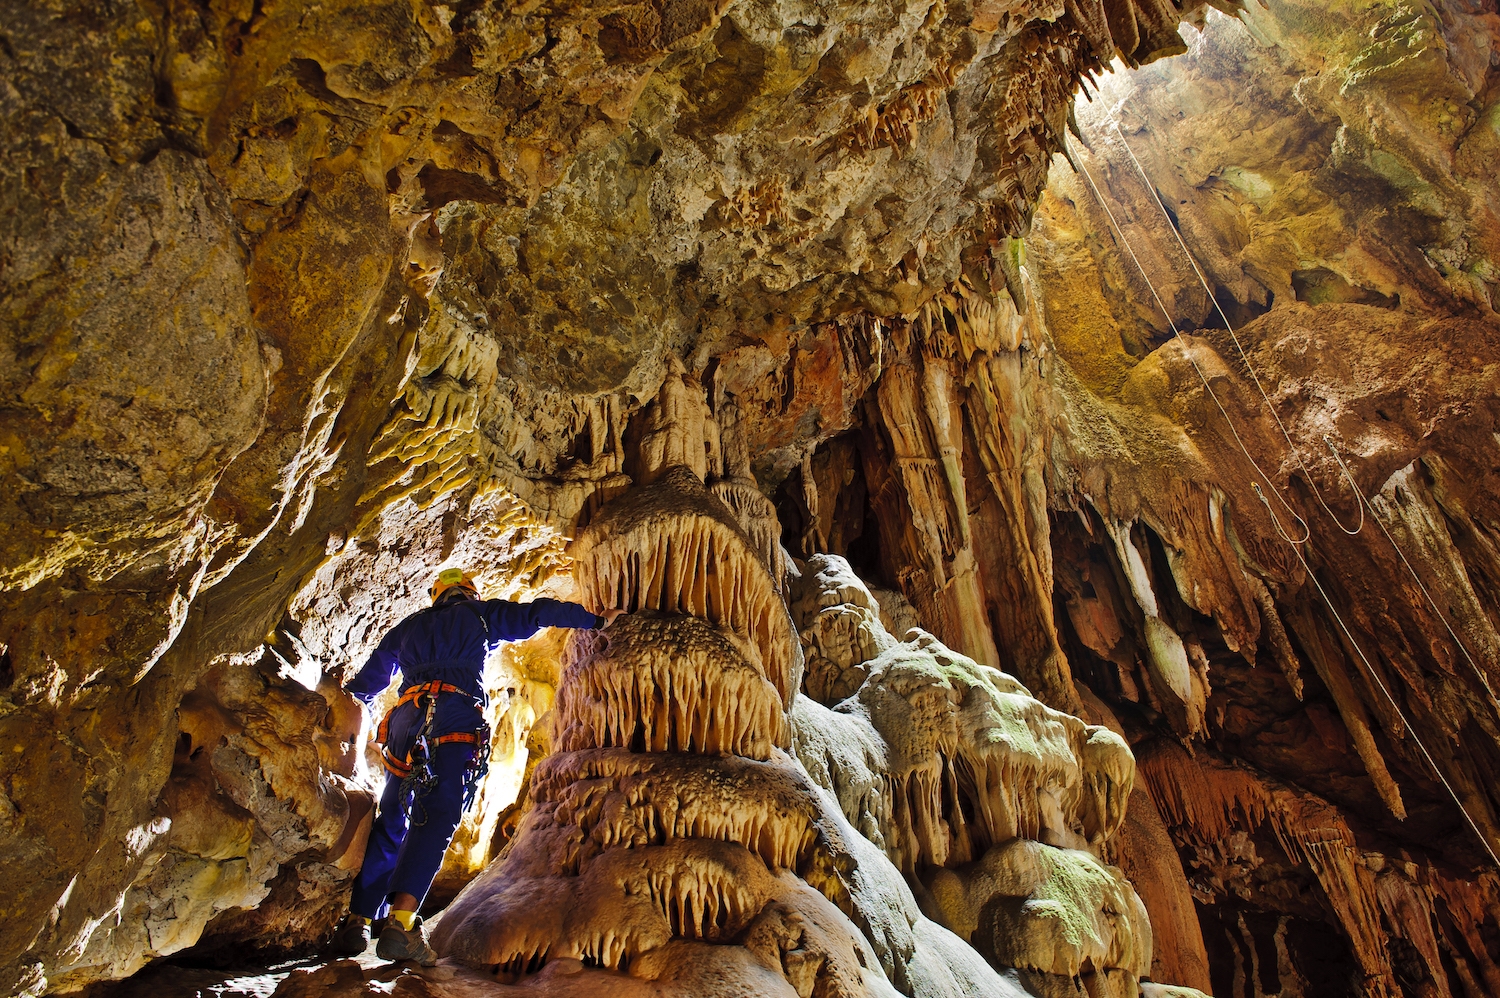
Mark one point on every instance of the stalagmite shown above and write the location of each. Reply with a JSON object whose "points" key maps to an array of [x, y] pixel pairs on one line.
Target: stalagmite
{"points": [[680, 430], [667, 812], [667, 683], [958, 767], [757, 518], [1057, 911]]}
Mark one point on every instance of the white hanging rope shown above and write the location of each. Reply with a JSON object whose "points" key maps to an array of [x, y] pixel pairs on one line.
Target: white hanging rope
{"points": [[1188, 353], [1457, 641], [1296, 453], [1370, 669], [1307, 532], [1271, 408]]}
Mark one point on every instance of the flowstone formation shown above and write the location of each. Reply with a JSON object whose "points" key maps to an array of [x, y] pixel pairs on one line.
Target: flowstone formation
{"points": [[274, 272], [304, 300], [671, 836], [1000, 808]]}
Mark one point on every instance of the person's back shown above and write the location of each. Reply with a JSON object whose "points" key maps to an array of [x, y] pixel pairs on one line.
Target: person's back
{"points": [[435, 743], [448, 641]]}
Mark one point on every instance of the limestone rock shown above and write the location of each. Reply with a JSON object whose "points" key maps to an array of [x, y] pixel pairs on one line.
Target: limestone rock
{"points": [[306, 300], [985, 796], [668, 816]]}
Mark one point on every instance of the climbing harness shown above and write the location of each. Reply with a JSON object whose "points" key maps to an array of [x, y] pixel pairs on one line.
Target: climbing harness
{"points": [[415, 768], [1296, 545]]}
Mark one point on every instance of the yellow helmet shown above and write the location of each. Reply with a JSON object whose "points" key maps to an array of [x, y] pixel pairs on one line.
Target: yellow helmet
{"points": [[451, 577]]}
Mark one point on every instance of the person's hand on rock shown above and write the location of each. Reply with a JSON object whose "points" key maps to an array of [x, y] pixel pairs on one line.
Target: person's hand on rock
{"points": [[611, 614]]}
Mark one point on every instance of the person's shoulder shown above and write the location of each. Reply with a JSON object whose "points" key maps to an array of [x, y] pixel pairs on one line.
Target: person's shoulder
{"points": [[414, 616], [501, 602]]}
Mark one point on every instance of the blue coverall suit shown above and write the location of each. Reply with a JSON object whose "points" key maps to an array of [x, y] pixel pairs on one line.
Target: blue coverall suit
{"points": [[445, 643]]}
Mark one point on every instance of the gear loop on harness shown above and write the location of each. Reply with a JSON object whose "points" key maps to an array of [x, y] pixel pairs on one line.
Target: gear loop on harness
{"points": [[414, 769]]}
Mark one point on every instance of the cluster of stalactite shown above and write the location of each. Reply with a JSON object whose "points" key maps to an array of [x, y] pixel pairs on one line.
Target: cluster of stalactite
{"points": [[1206, 801], [663, 813], [1035, 529], [676, 549]]}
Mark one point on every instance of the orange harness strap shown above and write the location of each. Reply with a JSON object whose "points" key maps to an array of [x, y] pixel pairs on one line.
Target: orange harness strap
{"points": [[401, 767]]}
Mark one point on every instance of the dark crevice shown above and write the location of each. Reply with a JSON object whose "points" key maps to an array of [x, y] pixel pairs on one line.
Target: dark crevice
{"points": [[442, 186]]}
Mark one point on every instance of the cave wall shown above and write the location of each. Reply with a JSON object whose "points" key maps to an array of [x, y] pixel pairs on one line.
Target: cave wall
{"points": [[302, 299], [1326, 188]]}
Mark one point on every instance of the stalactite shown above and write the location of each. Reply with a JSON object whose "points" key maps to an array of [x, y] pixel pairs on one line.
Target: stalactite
{"points": [[1168, 657], [675, 548], [757, 518], [670, 683], [1328, 662], [1208, 800], [1281, 648]]}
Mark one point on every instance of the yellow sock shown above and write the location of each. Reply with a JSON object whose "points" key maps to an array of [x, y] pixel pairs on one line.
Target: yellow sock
{"points": [[405, 919]]}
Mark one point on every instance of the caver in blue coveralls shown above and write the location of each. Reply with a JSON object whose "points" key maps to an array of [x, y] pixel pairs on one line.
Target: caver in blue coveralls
{"points": [[445, 643]]}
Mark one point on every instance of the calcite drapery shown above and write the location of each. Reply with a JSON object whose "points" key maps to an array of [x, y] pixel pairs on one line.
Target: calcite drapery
{"points": [[669, 818], [268, 189], [628, 848]]}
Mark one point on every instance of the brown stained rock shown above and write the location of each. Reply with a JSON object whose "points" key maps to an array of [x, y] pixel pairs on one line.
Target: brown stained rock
{"points": [[1149, 861], [303, 300]]}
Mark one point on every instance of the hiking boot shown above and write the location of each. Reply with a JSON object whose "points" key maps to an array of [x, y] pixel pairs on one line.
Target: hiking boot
{"points": [[397, 944], [351, 938]]}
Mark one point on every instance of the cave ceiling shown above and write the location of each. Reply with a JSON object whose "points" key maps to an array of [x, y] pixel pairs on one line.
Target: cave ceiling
{"points": [[1088, 408]]}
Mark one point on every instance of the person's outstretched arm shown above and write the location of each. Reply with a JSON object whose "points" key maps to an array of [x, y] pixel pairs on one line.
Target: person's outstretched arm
{"points": [[517, 621], [375, 676]]}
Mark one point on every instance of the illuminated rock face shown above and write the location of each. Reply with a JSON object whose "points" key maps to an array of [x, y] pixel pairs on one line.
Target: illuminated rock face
{"points": [[998, 807], [670, 835]]}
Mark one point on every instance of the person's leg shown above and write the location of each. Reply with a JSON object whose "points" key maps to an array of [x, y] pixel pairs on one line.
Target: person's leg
{"points": [[367, 901], [434, 819], [387, 834]]}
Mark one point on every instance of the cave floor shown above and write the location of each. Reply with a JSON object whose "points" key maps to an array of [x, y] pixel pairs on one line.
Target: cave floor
{"points": [[365, 977], [166, 979]]}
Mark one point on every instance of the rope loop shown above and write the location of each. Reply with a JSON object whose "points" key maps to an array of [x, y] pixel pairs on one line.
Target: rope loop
{"points": [[1353, 487], [1296, 545]]}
